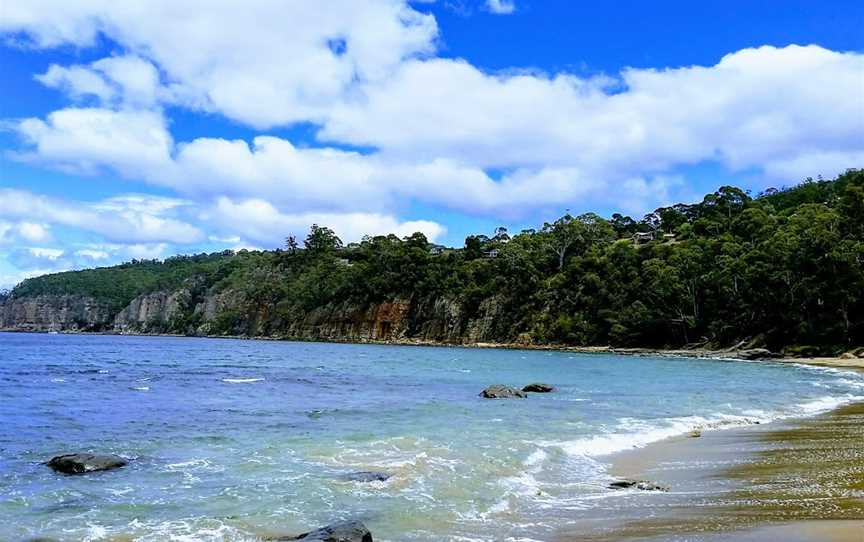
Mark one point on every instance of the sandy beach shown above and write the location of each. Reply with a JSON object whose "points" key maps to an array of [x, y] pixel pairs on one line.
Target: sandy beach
{"points": [[800, 481]]}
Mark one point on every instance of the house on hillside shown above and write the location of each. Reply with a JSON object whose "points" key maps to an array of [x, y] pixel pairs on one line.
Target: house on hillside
{"points": [[491, 253], [640, 238]]}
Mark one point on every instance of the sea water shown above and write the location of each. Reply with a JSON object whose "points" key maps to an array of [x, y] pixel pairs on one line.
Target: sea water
{"points": [[233, 440]]}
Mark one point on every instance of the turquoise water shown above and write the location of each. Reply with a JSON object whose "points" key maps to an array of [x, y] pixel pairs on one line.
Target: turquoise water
{"points": [[233, 439]]}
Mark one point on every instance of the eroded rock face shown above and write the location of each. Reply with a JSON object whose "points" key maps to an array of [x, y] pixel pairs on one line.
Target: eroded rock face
{"points": [[346, 531], [539, 387], [500, 391], [54, 313], [84, 463]]}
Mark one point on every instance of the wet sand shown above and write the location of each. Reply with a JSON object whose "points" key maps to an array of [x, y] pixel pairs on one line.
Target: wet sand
{"points": [[800, 481]]}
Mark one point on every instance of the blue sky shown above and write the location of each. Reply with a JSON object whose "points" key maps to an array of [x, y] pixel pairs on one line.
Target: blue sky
{"points": [[145, 131]]}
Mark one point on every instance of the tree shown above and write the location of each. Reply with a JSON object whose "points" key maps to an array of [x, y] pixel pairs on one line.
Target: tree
{"points": [[291, 244], [321, 240]]}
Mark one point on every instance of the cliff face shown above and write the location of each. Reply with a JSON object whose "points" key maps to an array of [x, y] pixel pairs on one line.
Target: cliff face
{"points": [[187, 311], [55, 313]]}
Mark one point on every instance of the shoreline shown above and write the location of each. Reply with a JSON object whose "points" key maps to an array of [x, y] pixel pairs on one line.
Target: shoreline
{"points": [[731, 354], [797, 479]]}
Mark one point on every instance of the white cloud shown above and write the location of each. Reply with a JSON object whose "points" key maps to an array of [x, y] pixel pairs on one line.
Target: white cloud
{"points": [[120, 80], [132, 219], [753, 107], [501, 7], [363, 72], [33, 232], [77, 81], [23, 231], [440, 124], [260, 62], [83, 140], [260, 221], [92, 254], [46, 253]]}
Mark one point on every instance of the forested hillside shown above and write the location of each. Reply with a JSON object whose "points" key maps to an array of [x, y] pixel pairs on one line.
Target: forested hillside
{"points": [[784, 269]]}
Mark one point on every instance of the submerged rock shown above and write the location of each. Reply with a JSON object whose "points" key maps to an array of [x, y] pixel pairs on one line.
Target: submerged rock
{"points": [[539, 387], [644, 485], [84, 463], [346, 531], [500, 391], [366, 476]]}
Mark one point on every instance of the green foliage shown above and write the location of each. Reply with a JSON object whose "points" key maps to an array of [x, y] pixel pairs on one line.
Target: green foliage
{"points": [[783, 268]]}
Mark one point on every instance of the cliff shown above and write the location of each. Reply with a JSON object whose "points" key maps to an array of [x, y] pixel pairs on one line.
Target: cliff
{"points": [[227, 312], [54, 313]]}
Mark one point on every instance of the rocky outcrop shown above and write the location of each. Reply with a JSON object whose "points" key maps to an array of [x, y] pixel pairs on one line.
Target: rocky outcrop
{"points": [[346, 531], [54, 313], [756, 354], [538, 387], [84, 463], [153, 311], [201, 309], [500, 391], [643, 485]]}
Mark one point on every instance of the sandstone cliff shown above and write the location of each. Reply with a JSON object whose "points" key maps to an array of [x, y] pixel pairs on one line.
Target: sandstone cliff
{"points": [[201, 311], [55, 313]]}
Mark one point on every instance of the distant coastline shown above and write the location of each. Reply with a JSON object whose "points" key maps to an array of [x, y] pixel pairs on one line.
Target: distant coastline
{"points": [[855, 363]]}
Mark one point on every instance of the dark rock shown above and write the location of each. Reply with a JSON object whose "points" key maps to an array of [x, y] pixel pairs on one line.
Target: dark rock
{"points": [[346, 531], [500, 391], [366, 476], [83, 463], [756, 353], [638, 484], [538, 387]]}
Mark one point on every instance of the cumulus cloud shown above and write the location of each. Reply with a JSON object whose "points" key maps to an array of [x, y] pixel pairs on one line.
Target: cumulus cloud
{"points": [[258, 220], [501, 7], [133, 219], [118, 80], [259, 62], [439, 126], [438, 131], [83, 140], [24, 231]]}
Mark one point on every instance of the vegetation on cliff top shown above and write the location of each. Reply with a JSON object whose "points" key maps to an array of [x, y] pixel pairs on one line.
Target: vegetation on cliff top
{"points": [[783, 268]]}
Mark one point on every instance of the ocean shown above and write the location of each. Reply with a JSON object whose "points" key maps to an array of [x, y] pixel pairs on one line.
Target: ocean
{"points": [[232, 440]]}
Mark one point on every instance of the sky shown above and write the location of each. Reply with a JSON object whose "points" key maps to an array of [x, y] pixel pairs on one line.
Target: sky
{"points": [[133, 130]]}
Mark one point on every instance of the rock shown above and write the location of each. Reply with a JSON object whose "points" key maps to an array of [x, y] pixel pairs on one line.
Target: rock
{"points": [[366, 476], [756, 353], [848, 355], [84, 463], [694, 433], [500, 391], [644, 485], [538, 387], [346, 531]]}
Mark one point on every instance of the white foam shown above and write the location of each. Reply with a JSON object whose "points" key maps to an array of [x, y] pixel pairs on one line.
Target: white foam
{"points": [[632, 433], [141, 388], [241, 380]]}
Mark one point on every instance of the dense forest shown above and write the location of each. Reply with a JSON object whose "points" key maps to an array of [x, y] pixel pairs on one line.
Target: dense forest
{"points": [[783, 269]]}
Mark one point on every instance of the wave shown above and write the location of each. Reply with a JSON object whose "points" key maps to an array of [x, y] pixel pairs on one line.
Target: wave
{"points": [[632, 433], [241, 380]]}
